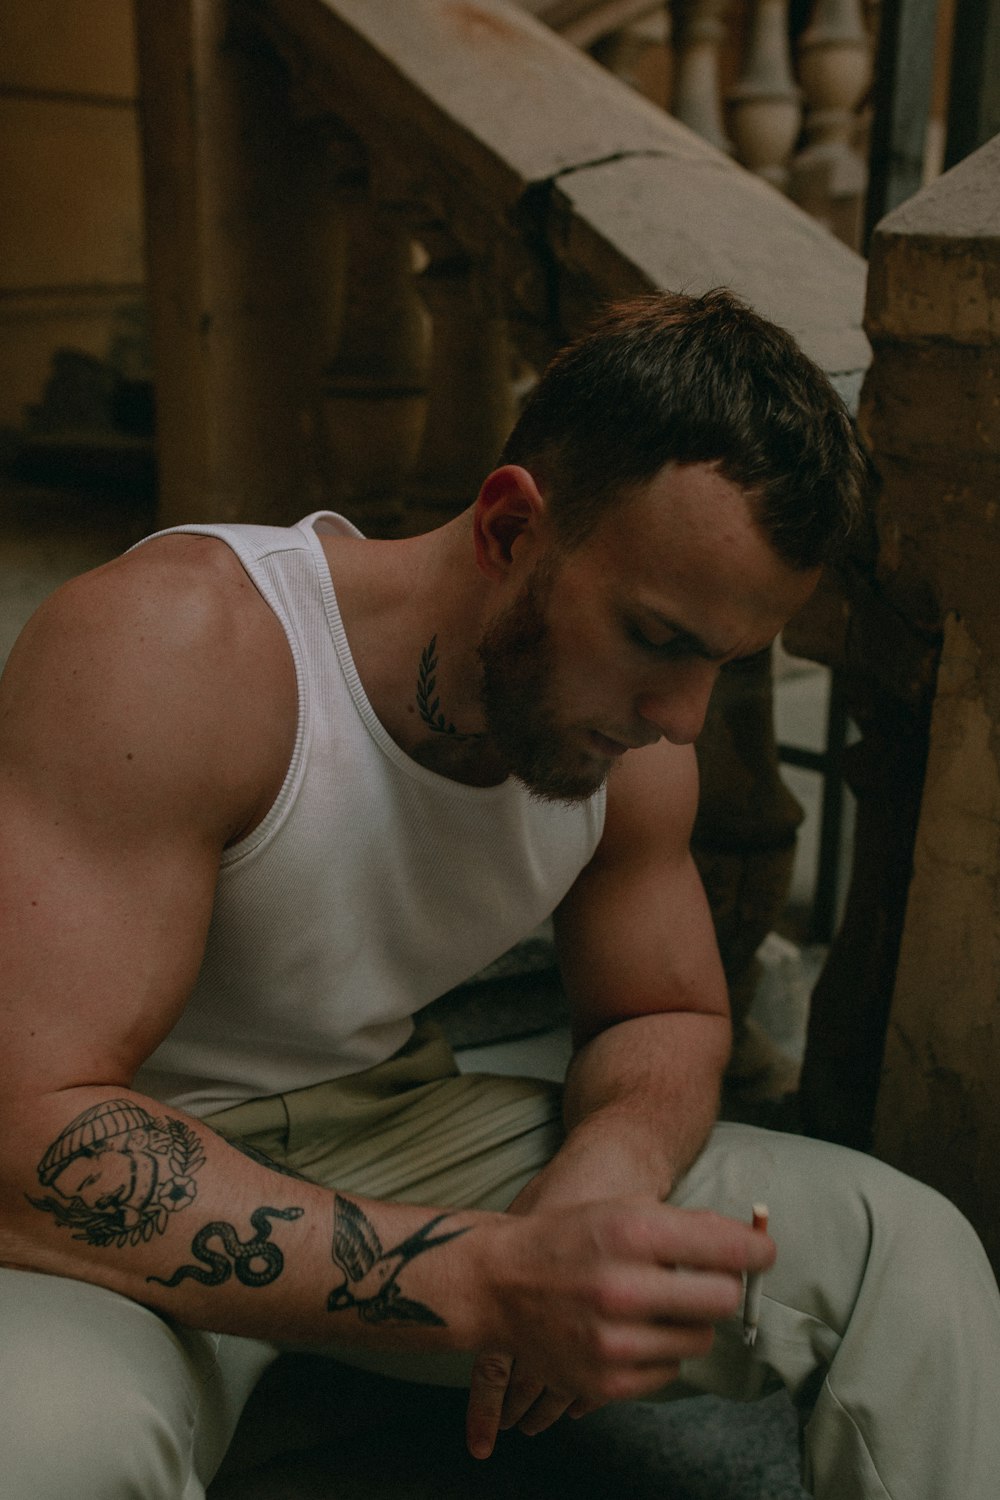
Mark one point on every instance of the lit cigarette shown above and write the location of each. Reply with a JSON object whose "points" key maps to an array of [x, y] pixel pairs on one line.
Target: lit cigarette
{"points": [[751, 1299]]}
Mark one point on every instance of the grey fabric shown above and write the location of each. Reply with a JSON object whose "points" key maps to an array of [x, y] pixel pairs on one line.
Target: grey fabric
{"points": [[881, 1317]]}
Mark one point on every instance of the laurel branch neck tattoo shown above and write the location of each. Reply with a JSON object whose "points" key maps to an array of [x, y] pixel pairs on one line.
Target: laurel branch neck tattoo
{"points": [[371, 1273], [428, 702]]}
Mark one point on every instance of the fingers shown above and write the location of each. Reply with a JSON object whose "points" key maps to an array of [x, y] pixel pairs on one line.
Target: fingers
{"points": [[605, 1304], [522, 1394], [708, 1241], [582, 1408], [546, 1409], [487, 1391], [629, 1346], [549, 1405], [532, 1407], [672, 1295], [500, 1399]]}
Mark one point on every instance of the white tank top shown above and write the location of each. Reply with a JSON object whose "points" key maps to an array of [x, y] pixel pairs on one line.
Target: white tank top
{"points": [[372, 886]]}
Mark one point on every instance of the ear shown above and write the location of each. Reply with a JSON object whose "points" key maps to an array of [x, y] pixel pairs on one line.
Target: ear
{"points": [[507, 517]]}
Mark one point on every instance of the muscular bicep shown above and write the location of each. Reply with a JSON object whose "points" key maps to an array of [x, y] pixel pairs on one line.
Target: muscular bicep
{"points": [[116, 799], [100, 943], [635, 934]]}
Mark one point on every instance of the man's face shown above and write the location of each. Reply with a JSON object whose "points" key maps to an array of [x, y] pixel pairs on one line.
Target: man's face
{"points": [[102, 1180], [618, 643]]}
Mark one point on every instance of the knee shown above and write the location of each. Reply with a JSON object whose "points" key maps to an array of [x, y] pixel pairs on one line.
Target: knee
{"points": [[80, 1413], [906, 1209], [919, 1239], [76, 1437]]}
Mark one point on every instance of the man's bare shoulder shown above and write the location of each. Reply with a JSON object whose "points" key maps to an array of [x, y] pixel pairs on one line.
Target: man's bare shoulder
{"points": [[166, 660], [180, 589]]}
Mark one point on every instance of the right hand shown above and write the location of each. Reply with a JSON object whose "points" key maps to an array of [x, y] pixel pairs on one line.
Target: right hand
{"points": [[603, 1301]]}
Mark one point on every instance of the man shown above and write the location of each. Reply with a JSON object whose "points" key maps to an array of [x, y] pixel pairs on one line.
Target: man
{"points": [[266, 792]]}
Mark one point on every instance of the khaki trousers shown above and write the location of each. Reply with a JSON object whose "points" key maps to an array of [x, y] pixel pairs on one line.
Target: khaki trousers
{"points": [[881, 1317]]}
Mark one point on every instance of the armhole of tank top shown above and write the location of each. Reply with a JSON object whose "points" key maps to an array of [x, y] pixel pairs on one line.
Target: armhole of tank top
{"points": [[254, 565]]}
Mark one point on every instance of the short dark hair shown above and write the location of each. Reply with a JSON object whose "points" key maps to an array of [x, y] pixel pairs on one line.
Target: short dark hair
{"points": [[676, 379]]}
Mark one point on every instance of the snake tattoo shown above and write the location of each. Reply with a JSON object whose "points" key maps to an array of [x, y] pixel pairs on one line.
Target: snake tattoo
{"points": [[256, 1261]]}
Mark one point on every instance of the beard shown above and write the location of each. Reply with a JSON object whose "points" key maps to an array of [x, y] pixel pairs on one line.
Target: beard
{"points": [[517, 675]]}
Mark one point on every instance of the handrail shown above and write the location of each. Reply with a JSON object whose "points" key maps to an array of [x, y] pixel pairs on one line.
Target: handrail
{"points": [[281, 136], [519, 138]]}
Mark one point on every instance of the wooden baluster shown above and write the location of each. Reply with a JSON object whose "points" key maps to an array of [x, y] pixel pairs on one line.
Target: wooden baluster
{"points": [[828, 177], [374, 392], [640, 55], [470, 407], [766, 105], [700, 30]]}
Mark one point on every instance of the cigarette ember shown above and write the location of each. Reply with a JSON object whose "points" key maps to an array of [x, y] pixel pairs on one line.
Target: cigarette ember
{"points": [[751, 1299]]}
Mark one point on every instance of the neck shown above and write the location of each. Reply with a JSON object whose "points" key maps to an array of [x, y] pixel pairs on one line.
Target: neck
{"points": [[413, 615]]}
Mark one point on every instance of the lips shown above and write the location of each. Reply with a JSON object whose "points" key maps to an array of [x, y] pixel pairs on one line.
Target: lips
{"points": [[607, 746]]}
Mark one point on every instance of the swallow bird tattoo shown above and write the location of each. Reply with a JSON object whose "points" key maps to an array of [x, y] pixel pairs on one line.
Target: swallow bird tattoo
{"points": [[371, 1274]]}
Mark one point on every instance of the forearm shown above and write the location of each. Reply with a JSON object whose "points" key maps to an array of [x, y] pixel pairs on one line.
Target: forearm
{"points": [[114, 1188], [640, 1100]]}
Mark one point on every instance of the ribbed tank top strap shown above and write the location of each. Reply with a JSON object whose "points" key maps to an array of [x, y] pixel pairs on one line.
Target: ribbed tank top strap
{"points": [[302, 614]]}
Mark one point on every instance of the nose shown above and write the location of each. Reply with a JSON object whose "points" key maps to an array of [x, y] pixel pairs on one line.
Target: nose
{"points": [[677, 705]]}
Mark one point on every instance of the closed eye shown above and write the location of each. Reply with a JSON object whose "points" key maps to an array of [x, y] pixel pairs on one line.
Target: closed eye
{"points": [[676, 645]]}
